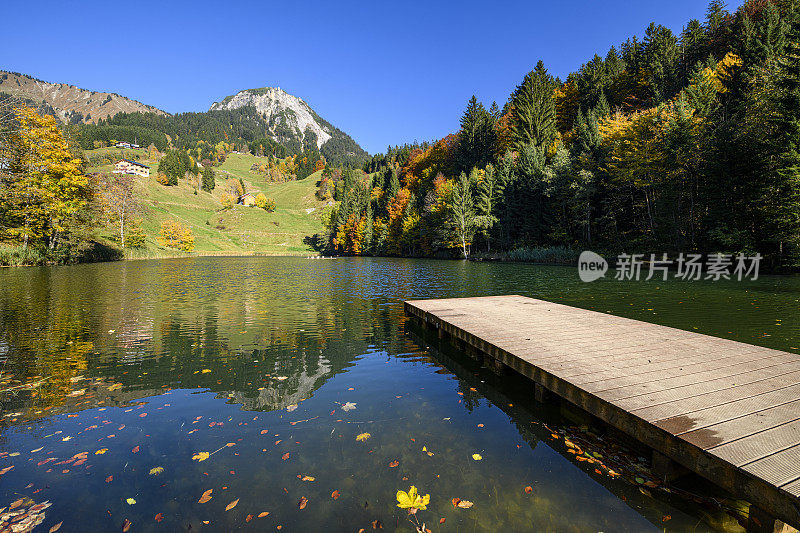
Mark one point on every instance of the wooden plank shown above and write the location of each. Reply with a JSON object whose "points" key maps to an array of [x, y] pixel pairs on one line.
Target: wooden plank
{"points": [[727, 410], [743, 451]]}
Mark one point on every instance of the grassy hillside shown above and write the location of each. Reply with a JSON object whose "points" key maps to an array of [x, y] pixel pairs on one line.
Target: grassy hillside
{"points": [[238, 230]]}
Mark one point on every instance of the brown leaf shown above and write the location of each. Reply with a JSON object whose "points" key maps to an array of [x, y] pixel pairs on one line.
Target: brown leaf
{"points": [[377, 524], [465, 504], [232, 504], [109, 479], [666, 517], [126, 525], [285, 456], [55, 527], [335, 495], [394, 464], [303, 502], [159, 517], [206, 496], [16, 504], [248, 518], [528, 489], [263, 514]]}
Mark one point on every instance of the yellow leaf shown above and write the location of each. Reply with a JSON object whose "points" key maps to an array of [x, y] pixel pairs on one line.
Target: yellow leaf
{"points": [[412, 500], [156, 471], [130, 501], [206, 370], [477, 456], [101, 451], [201, 456], [362, 437]]}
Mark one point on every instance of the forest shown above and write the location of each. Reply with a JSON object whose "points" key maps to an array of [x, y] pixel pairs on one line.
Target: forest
{"points": [[244, 128], [666, 143]]}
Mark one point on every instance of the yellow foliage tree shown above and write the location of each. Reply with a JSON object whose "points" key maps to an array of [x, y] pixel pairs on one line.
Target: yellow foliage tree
{"points": [[177, 235], [42, 185]]}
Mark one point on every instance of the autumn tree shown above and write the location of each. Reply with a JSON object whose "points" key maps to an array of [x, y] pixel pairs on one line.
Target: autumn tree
{"points": [[122, 201], [42, 185]]}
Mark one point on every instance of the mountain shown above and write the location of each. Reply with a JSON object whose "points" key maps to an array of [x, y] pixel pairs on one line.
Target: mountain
{"points": [[69, 103], [289, 118]]}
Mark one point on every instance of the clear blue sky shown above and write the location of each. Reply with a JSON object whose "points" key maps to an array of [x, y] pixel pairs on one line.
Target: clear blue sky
{"points": [[384, 72]]}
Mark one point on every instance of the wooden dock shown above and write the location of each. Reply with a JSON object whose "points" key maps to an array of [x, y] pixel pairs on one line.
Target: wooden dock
{"points": [[725, 410]]}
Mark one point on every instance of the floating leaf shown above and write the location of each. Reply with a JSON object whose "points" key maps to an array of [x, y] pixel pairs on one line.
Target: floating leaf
{"points": [[201, 456], [335, 495], [115, 386], [205, 371], [303, 502], [156, 470], [263, 514], [232, 504], [159, 517], [135, 449], [528, 489], [101, 451], [126, 525], [412, 499], [361, 437], [292, 407], [477, 456], [442, 520], [394, 464], [281, 378], [206, 496], [309, 478], [56, 527], [465, 504], [248, 518], [285, 456], [131, 501], [109, 479], [455, 501], [349, 406], [377, 524]]}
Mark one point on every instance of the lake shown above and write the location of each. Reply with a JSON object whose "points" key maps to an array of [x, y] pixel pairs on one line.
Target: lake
{"points": [[134, 391]]}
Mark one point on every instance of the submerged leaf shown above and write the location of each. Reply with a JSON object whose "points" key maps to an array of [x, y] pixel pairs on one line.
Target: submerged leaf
{"points": [[206, 496], [232, 504], [156, 470], [201, 456]]}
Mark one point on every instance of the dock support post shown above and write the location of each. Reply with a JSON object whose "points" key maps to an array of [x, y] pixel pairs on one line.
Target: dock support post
{"points": [[541, 394], [761, 522], [665, 468]]}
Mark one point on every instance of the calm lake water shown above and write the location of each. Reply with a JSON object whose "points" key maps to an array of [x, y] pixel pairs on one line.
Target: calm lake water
{"points": [[116, 377]]}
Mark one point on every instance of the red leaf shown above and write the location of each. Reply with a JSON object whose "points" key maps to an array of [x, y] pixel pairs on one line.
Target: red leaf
{"points": [[455, 501], [109, 479], [335, 495], [441, 520], [528, 489], [135, 449], [285, 456], [159, 517], [394, 464]]}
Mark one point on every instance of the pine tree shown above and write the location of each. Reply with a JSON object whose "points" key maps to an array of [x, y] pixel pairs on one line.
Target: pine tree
{"points": [[475, 143], [209, 181], [781, 198], [534, 119]]}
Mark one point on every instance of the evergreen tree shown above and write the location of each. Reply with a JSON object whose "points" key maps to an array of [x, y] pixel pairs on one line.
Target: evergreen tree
{"points": [[209, 181], [475, 140], [534, 119]]}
